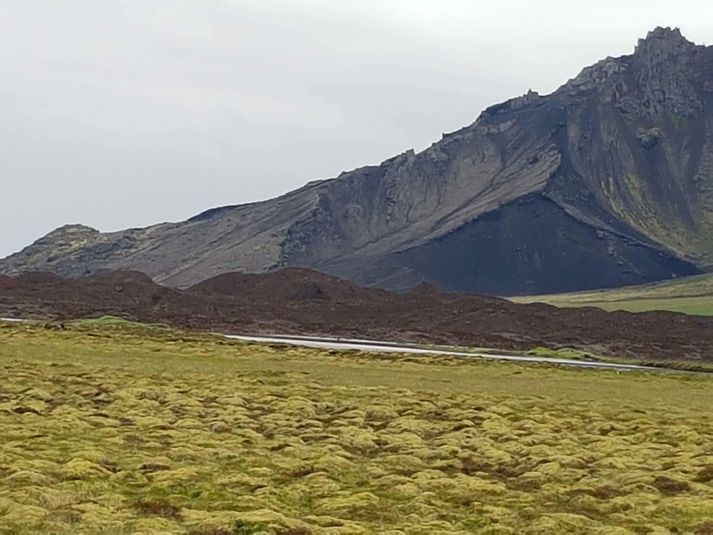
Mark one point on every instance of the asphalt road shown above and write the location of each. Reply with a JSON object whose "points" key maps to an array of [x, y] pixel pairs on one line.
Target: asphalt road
{"points": [[388, 347], [376, 346]]}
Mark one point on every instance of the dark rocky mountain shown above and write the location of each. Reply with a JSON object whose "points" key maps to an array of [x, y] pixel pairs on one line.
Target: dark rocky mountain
{"points": [[607, 181]]}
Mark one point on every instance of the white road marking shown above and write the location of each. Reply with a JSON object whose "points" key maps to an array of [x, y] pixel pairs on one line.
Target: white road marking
{"points": [[382, 347]]}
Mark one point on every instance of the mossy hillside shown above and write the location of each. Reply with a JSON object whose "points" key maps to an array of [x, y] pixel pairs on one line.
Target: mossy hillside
{"points": [[149, 430], [690, 295]]}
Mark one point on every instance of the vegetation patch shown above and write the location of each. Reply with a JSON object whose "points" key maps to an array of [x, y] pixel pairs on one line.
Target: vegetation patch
{"points": [[124, 428], [690, 295]]}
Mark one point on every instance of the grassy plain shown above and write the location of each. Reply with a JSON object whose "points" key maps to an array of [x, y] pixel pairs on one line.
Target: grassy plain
{"points": [[690, 295], [113, 428]]}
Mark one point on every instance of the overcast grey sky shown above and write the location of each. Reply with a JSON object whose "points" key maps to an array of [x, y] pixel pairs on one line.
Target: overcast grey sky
{"points": [[118, 113]]}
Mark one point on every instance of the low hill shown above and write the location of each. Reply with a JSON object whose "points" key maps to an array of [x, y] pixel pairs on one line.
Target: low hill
{"points": [[303, 302], [7, 282], [689, 295], [289, 285]]}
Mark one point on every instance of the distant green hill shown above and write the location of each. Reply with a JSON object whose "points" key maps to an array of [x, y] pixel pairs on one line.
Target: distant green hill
{"points": [[691, 295]]}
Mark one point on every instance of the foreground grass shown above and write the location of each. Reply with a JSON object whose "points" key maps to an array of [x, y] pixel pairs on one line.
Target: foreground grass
{"points": [[124, 429], [690, 295]]}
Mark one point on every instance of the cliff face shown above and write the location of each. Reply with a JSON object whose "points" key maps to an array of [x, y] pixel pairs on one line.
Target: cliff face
{"points": [[605, 182]]}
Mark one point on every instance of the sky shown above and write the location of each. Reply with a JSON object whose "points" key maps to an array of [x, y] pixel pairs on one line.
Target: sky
{"points": [[121, 113]]}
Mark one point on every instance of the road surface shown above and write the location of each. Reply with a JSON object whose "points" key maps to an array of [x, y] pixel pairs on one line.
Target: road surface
{"points": [[376, 346], [389, 347]]}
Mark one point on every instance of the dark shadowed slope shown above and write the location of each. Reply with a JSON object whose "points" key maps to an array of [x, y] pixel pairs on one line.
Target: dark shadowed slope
{"points": [[302, 302], [605, 182]]}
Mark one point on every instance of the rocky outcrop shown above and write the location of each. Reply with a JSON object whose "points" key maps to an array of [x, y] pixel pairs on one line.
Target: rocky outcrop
{"points": [[605, 182]]}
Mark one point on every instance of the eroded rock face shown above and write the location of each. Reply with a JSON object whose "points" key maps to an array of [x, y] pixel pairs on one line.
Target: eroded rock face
{"points": [[618, 163]]}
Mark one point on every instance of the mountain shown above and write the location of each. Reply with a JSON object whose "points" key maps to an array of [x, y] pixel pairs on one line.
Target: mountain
{"points": [[608, 181]]}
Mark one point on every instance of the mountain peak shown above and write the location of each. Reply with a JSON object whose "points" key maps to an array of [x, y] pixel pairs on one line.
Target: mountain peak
{"points": [[662, 40]]}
